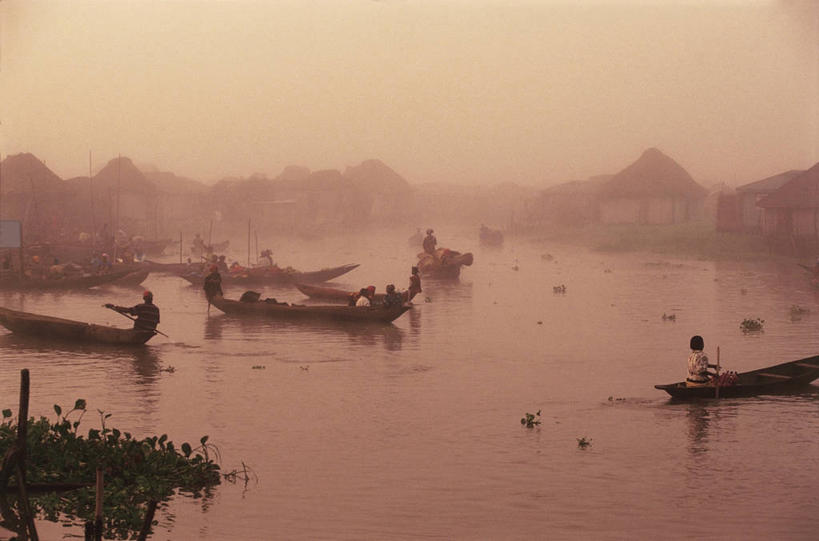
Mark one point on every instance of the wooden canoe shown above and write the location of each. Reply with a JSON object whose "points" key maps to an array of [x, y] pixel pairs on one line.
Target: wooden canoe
{"points": [[14, 282], [67, 329], [770, 380], [298, 312], [330, 294], [262, 276], [133, 278]]}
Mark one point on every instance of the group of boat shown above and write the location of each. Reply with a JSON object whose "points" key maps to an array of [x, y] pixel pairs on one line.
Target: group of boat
{"points": [[442, 264]]}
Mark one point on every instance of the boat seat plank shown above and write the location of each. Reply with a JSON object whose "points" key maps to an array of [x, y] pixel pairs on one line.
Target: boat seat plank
{"points": [[770, 375]]}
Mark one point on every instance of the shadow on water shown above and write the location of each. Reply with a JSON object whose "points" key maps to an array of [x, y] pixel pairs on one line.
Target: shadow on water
{"points": [[361, 334]]}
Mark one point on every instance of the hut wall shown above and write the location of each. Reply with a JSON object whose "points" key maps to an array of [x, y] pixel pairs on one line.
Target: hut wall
{"points": [[804, 222], [620, 211], [658, 211]]}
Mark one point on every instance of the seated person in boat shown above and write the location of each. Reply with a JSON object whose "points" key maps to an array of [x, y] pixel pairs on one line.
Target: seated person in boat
{"points": [[414, 284], [266, 258], [363, 297], [147, 313], [698, 365], [221, 264], [392, 298], [213, 283], [430, 242]]}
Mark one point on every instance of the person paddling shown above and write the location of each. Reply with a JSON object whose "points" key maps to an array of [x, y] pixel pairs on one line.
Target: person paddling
{"points": [[147, 313]]}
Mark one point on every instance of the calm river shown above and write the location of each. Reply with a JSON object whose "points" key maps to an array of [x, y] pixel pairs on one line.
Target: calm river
{"points": [[413, 430]]}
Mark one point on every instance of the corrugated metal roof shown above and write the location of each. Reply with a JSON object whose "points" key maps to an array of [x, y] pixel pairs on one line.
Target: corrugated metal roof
{"points": [[770, 184], [802, 191]]}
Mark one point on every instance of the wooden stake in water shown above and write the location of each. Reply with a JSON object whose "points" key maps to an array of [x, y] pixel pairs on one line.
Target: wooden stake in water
{"points": [[98, 510], [716, 381]]}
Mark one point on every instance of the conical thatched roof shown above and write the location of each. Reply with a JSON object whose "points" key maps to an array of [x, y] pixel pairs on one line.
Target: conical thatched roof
{"points": [[122, 173], [375, 176], [802, 191], [653, 174], [25, 173]]}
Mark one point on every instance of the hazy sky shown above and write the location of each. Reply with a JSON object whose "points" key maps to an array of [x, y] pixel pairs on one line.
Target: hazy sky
{"points": [[465, 91]]}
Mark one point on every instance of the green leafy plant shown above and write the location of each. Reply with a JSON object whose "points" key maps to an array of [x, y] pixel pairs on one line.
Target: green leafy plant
{"points": [[530, 420], [136, 471], [583, 442], [752, 325]]}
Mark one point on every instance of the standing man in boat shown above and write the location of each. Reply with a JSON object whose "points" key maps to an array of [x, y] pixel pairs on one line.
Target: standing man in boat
{"points": [[213, 283], [414, 284], [147, 313], [698, 365], [430, 242]]}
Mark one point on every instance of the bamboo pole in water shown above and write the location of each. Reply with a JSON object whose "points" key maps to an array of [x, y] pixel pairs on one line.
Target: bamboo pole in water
{"points": [[248, 242]]}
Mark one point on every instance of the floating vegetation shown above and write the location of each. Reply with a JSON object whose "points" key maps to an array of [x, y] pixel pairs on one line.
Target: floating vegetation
{"points": [[561, 289], [606, 271], [258, 367], [583, 442], [531, 420], [305, 368], [547, 257], [797, 310], [612, 399], [427, 299], [540, 323], [139, 474], [669, 317], [169, 369], [752, 325]]}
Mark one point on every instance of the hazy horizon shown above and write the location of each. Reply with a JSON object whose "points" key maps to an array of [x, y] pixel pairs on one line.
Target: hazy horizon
{"points": [[441, 91]]}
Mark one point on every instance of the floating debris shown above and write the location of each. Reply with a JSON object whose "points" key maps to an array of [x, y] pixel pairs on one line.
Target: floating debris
{"points": [[258, 367], [583, 442], [799, 310], [530, 420], [169, 369], [743, 291], [547, 257], [752, 325], [540, 323], [427, 299], [559, 289], [305, 368], [669, 317]]}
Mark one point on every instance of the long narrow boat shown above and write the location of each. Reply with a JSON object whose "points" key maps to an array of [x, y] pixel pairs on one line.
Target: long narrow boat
{"points": [[67, 329], [331, 294], [770, 380], [295, 312], [261, 276], [133, 278], [14, 282]]}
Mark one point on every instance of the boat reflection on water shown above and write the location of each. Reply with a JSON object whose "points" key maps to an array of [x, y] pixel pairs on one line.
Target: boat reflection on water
{"points": [[144, 361], [220, 326], [698, 421]]}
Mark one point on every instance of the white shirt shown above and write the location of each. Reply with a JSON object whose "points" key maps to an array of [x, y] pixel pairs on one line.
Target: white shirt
{"points": [[362, 301]]}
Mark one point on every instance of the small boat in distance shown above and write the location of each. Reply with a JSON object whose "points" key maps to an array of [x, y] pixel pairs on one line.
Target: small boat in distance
{"points": [[261, 276], [770, 380], [490, 237], [299, 312], [66, 329], [15, 283]]}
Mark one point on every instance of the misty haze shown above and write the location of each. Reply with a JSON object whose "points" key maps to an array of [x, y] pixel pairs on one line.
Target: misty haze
{"points": [[397, 270]]}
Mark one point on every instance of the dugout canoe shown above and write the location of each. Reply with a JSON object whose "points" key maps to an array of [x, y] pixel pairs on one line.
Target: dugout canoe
{"points": [[133, 278], [14, 282], [262, 276], [769, 380], [298, 312], [330, 294], [66, 329]]}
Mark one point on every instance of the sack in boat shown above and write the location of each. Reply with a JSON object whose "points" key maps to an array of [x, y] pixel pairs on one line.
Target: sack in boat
{"points": [[728, 378], [250, 296]]}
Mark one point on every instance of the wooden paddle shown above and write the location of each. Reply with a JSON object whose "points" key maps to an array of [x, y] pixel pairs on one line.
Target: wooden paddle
{"points": [[132, 319], [716, 381]]}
